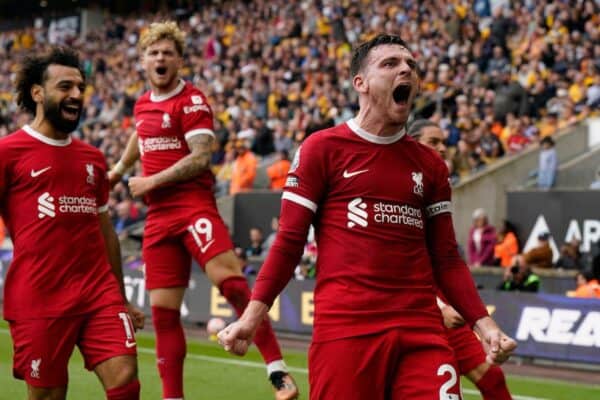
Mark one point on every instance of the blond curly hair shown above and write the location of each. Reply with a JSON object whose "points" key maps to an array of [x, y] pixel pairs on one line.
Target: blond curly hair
{"points": [[162, 30]]}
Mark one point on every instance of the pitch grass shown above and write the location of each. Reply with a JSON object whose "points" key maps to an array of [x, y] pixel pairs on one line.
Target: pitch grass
{"points": [[211, 374]]}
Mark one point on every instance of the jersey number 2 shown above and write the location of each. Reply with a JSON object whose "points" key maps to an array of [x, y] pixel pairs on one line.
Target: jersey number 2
{"points": [[444, 395]]}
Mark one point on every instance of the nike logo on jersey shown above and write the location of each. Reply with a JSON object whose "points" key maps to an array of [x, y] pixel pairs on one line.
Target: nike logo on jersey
{"points": [[137, 124], [351, 174], [129, 344], [206, 246], [35, 173]]}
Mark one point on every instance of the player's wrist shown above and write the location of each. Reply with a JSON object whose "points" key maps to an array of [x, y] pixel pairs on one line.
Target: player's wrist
{"points": [[121, 168], [255, 312], [485, 324]]}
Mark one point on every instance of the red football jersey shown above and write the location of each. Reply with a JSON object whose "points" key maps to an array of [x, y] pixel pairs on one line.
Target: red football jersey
{"points": [[163, 124], [373, 271], [51, 192]]}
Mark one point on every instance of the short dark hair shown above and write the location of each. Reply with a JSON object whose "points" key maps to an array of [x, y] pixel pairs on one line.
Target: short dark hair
{"points": [[362, 51], [416, 128], [34, 69]]}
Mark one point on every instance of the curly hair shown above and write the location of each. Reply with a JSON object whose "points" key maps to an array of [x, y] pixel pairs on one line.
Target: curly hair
{"points": [[162, 30], [360, 53], [33, 71]]}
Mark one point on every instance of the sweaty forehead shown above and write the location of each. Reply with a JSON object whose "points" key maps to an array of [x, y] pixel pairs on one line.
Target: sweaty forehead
{"points": [[57, 73], [389, 50]]}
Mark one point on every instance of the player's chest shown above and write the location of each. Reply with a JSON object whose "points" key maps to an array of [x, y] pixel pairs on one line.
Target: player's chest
{"points": [[154, 121], [384, 175], [58, 173]]}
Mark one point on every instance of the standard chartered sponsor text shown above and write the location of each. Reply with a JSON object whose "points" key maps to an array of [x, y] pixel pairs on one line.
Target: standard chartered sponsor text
{"points": [[161, 143], [81, 205], [386, 213]]}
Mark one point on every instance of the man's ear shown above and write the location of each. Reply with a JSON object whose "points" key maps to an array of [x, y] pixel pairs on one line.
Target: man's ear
{"points": [[37, 93], [360, 84]]}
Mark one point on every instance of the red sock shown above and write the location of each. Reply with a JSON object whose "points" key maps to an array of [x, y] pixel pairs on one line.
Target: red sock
{"points": [[237, 293], [130, 391], [492, 385], [170, 350]]}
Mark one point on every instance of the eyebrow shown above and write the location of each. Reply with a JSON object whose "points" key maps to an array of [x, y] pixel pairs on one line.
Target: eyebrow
{"points": [[409, 58]]}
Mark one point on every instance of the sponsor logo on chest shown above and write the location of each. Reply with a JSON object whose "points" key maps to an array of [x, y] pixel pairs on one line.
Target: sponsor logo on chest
{"points": [[383, 213], [47, 205]]}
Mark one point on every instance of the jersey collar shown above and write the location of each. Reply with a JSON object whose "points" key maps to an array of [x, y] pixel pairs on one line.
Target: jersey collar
{"points": [[162, 97], [52, 142], [369, 137]]}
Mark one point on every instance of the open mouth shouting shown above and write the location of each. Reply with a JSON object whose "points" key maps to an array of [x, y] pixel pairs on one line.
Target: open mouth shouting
{"points": [[71, 110], [161, 71], [401, 94]]}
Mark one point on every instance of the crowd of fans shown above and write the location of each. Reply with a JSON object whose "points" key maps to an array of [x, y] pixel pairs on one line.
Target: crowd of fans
{"points": [[488, 246], [496, 75]]}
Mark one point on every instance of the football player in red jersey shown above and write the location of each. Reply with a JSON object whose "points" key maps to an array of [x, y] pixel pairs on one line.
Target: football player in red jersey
{"points": [[385, 240], [468, 351], [64, 286], [174, 136]]}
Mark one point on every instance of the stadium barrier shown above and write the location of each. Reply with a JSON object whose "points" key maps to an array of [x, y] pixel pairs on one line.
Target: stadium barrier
{"points": [[545, 325]]}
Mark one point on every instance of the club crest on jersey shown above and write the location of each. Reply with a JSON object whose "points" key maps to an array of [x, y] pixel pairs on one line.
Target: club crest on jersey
{"points": [[35, 368], [417, 177], [197, 100], [296, 161], [166, 121], [90, 170]]}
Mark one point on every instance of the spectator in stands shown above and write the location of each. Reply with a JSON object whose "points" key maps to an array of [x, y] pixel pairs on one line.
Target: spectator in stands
{"points": [[271, 238], [224, 172], [482, 239], [570, 256], [587, 286], [244, 168], [255, 249], [541, 255], [548, 164], [507, 246], [595, 185], [520, 278], [475, 162], [248, 269], [123, 218], [489, 143], [277, 172]]}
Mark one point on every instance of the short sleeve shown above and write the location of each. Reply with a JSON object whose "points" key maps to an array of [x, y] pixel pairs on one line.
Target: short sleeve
{"points": [[196, 116], [306, 179]]}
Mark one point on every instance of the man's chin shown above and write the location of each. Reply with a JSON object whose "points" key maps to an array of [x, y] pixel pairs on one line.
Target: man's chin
{"points": [[162, 83]]}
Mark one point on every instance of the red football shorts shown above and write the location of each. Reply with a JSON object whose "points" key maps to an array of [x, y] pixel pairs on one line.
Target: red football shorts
{"points": [[42, 347], [167, 252], [395, 364], [468, 350]]}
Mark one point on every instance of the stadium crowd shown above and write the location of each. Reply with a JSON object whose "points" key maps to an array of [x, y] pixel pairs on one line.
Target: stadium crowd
{"points": [[498, 76]]}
